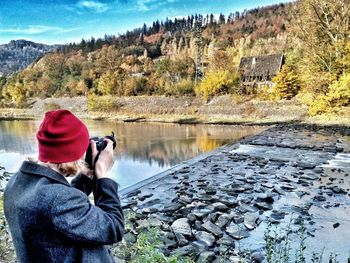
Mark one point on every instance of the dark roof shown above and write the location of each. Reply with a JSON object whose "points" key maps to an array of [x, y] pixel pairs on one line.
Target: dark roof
{"points": [[261, 65]]}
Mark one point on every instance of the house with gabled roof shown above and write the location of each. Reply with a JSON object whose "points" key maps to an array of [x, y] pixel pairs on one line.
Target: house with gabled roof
{"points": [[259, 70]]}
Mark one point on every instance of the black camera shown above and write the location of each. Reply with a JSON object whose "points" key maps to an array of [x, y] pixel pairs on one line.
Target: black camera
{"points": [[100, 146]]}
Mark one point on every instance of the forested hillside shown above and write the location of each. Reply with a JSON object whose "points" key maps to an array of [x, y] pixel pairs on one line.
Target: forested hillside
{"points": [[156, 59], [199, 56], [18, 54]]}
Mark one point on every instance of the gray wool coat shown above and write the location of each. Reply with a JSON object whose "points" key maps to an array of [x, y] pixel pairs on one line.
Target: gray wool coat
{"points": [[53, 221]]}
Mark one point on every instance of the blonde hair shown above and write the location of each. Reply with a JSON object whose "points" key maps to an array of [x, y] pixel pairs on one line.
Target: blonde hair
{"points": [[66, 169]]}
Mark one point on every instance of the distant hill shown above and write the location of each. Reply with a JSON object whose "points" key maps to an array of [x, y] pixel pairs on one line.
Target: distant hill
{"points": [[164, 58], [18, 54]]}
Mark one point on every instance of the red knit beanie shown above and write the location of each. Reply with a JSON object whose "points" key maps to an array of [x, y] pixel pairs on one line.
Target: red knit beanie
{"points": [[62, 137]]}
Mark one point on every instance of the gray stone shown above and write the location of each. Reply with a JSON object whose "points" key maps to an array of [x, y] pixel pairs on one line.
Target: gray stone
{"points": [[169, 243], [250, 220], [243, 208], [198, 224], [185, 199], [133, 193], [266, 198], [145, 196], [154, 222], [223, 220], [222, 249], [319, 198], [205, 237], [287, 187], [212, 217], [182, 226], [237, 231], [149, 210], [199, 246], [189, 251], [202, 212], [268, 185], [338, 190], [206, 256], [142, 224], [218, 206], [129, 238], [230, 202], [278, 190], [191, 217], [214, 229], [258, 256], [277, 216], [128, 203], [181, 240], [310, 176], [263, 206], [305, 165], [172, 207], [226, 240]]}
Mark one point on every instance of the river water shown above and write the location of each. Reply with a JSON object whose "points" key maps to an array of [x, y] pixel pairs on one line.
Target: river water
{"points": [[143, 150]]}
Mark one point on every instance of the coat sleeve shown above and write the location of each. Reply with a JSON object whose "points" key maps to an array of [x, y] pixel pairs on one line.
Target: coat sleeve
{"points": [[83, 183], [77, 219]]}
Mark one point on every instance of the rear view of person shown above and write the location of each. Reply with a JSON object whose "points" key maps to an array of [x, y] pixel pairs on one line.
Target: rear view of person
{"points": [[52, 220]]}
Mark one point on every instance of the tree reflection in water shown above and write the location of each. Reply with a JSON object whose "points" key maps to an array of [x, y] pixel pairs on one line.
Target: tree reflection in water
{"points": [[144, 149]]}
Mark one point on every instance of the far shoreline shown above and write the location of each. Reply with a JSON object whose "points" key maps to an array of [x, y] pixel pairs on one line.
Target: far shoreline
{"points": [[220, 110]]}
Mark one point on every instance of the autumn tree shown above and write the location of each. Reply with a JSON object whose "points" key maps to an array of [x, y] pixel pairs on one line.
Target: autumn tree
{"points": [[287, 83], [215, 82], [324, 29], [108, 84]]}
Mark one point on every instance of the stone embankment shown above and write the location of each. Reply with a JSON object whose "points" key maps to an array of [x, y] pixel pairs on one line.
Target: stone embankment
{"points": [[217, 205]]}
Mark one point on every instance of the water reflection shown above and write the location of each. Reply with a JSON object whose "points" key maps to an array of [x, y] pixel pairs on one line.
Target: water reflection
{"points": [[143, 149]]}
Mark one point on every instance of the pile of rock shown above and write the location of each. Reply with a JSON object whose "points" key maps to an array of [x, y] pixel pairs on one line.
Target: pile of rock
{"points": [[205, 209]]}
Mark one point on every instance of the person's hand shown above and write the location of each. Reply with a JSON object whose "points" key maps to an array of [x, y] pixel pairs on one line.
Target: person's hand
{"points": [[105, 160]]}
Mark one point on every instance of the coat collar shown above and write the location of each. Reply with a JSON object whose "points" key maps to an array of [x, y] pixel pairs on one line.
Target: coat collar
{"points": [[34, 168]]}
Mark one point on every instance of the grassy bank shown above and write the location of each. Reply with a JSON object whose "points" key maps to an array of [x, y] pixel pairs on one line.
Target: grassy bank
{"points": [[184, 110]]}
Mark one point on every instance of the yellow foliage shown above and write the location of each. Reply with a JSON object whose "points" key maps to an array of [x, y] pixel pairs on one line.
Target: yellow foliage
{"points": [[214, 83], [183, 87], [107, 84], [100, 103], [339, 92], [319, 106], [337, 96], [287, 83], [267, 93]]}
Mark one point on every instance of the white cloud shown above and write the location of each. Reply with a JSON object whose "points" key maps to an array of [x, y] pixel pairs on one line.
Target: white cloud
{"points": [[36, 29], [95, 6], [146, 5]]}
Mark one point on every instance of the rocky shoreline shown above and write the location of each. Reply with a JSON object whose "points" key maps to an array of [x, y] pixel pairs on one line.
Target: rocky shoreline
{"points": [[209, 208]]}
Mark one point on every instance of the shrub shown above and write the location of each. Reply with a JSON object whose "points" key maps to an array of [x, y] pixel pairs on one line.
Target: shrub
{"points": [[146, 249], [267, 93], [100, 103], [337, 96], [319, 105], [135, 86], [183, 87], [51, 106], [107, 85], [339, 92], [287, 83], [215, 82]]}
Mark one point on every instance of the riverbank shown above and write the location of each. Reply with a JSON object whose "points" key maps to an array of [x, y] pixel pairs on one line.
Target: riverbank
{"points": [[220, 110], [184, 110], [219, 204]]}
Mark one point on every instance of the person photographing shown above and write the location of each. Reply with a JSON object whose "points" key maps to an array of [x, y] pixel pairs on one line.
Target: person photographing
{"points": [[52, 220]]}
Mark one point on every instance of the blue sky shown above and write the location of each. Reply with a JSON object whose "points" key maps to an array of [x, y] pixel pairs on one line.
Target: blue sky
{"points": [[63, 21]]}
